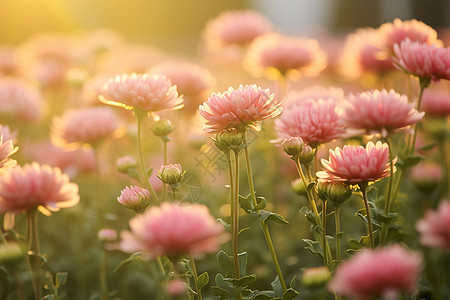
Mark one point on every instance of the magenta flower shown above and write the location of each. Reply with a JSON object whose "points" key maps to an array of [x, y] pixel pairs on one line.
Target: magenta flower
{"points": [[355, 165], [141, 91], [434, 228], [436, 102], [422, 60], [85, 126], [19, 100], [315, 121], [173, 230], [275, 55], [135, 198], [35, 186], [385, 272], [237, 27], [246, 106], [380, 112]]}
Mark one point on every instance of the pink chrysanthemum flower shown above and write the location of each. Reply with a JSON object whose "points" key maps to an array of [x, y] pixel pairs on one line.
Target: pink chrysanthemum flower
{"points": [[173, 230], [274, 55], [7, 134], [380, 112], [246, 106], [19, 100], [6, 150], [436, 102], [315, 121], [294, 98], [239, 27], [426, 176], [141, 91], [35, 186], [385, 272], [434, 228], [92, 89], [192, 81], [422, 60], [85, 126], [135, 198], [355, 165]]}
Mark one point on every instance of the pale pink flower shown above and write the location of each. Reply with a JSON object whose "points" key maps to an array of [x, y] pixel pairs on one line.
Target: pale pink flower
{"points": [[422, 60], [434, 228], [379, 112], [8, 61], [141, 91], [134, 197], [93, 43], [315, 121], [7, 134], [274, 55], [384, 272], [436, 102], [85, 126], [176, 288], [173, 230], [426, 176], [296, 97], [107, 235], [355, 165], [92, 88], [246, 106], [6, 150], [192, 81], [238, 27], [19, 100], [35, 186]]}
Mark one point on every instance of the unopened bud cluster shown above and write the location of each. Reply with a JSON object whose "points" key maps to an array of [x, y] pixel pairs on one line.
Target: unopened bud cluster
{"points": [[171, 174], [135, 198], [307, 154], [229, 139], [336, 192], [293, 146]]}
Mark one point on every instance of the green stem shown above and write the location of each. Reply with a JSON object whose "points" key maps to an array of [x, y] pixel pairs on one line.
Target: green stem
{"points": [[33, 247], [324, 230], [140, 115], [263, 224], [444, 155], [194, 270], [389, 198], [236, 215], [164, 191], [424, 83], [338, 234], [102, 274], [363, 188], [173, 195]]}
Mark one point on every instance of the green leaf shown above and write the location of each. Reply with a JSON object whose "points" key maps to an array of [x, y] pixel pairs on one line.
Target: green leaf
{"points": [[276, 287], [294, 282], [226, 263], [220, 292], [290, 294], [246, 203], [261, 204], [202, 280], [310, 216], [149, 172], [409, 162], [311, 185], [314, 247], [133, 173], [135, 257], [354, 244], [428, 146], [270, 216], [226, 225], [61, 279], [243, 281], [221, 283], [48, 297], [242, 258], [243, 229]]}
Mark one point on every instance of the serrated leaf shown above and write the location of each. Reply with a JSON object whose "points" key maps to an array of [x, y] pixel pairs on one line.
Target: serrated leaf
{"points": [[314, 247], [226, 263], [135, 257], [273, 217], [242, 258], [61, 279], [290, 294], [243, 281], [226, 225], [202, 280]]}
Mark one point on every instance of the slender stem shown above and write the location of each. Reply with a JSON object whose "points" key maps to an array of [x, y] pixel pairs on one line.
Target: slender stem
{"points": [[324, 230], [264, 224], [338, 233], [389, 198], [102, 274], [140, 118], [363, 188], [173, 195], [444, 155], [164, 191], [194, 270], [20, 289], [423, 85], [33, 247], [236, 215]]}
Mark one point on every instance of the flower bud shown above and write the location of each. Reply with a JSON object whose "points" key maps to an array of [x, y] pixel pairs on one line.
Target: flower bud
{"points": [[426, 176], [299, 187], [107, 235], [336, 192], [135, 198], [10, 252], [162, 128], [293, 146], [306, 156], [176, 288], [316, 277], [125, 163], [171, 174], [229, 139]]}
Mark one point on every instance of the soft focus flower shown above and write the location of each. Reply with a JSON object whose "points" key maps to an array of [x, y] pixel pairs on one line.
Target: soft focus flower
{"points": [[422, 60], [172, 174], [380, 112], [135, 198], [141, 91], [426, 176], [355, 165], [85, 126], [384, 272], [107, 235], [6, 150], [8, 60], [162, 128], [192, 81], [19, 100], [293, 146], [5, 131], [92, 88], [35, 186], [239, 27], [434, 228], [315, 121], [173, 230], [316, 277], [246, 106], [275, 55], [11, 252], [436, 102], [297, 97], [298, 186], [125, 163], [176, 288]]}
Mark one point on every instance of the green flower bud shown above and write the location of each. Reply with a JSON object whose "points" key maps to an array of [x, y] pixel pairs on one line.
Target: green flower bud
{"points": [[299, 187], [293, 146], [229, 139], [125, 163], [10, 252], [316, 277], [162, 128], [306, 156], [135, 198], [336, 192], [171, 174]]}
